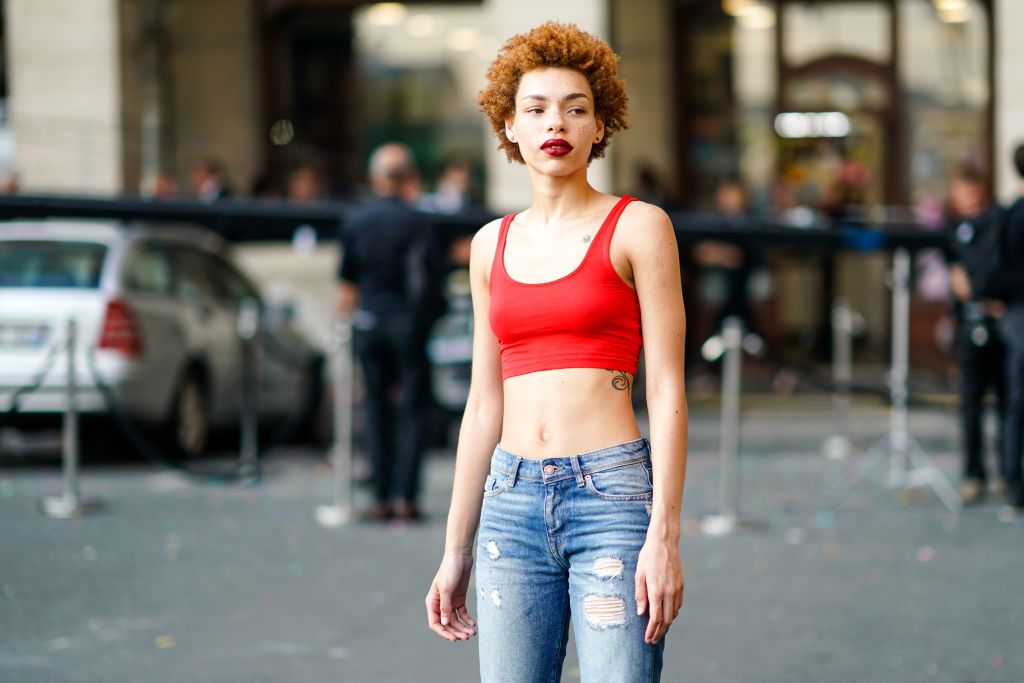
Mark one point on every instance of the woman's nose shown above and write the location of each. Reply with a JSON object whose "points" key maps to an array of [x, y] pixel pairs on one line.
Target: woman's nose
{"points": [[556, 123]]}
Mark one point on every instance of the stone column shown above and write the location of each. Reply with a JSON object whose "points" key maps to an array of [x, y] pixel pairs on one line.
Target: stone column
{"points": [[65, 95], [1008, 18]]}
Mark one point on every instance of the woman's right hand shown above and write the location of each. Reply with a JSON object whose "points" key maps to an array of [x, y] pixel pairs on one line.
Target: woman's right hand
{"points": [[446, 599]]}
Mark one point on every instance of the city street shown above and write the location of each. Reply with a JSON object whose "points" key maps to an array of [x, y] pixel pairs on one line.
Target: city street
{"points": [[179, 580]]}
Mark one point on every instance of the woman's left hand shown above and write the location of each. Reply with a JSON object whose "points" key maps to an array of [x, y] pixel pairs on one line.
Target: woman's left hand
{"points": [[659, 586]]}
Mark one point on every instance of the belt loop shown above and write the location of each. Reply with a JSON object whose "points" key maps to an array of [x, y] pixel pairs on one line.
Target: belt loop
{"points": [[576, 470], [513, 473]]}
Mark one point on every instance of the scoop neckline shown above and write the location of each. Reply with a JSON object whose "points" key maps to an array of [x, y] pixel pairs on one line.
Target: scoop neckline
{"points": [[586, 255]]}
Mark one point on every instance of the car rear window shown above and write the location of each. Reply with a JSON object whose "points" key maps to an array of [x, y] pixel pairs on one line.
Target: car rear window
{"points": [[51, 264]]}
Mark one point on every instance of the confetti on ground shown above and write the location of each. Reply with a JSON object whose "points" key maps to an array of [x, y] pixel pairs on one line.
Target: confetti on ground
{"points": [[761, 565], [875, 576], [831, 550], [794, 535], [824, 519], [89, 553], [164, 642], [714, 561], [998, 662], [925, 553], [297, 569]]}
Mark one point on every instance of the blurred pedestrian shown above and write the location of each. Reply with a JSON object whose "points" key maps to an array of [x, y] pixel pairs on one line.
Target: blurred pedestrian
{"points": [[578, 514], [1009, 284], [727, 267], [209, 180], [305, 184], [973, 236], [386, 272], [452, 194]]}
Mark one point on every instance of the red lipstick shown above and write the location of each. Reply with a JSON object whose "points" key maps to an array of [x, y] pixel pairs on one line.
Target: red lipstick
{"points": [[556, 147]]}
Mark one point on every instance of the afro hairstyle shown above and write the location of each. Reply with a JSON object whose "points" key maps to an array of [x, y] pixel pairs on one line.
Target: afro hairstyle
{"points": [[555, 45]]}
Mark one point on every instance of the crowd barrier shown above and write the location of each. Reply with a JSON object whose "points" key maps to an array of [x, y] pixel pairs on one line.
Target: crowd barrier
{"points": [[251, 220]]}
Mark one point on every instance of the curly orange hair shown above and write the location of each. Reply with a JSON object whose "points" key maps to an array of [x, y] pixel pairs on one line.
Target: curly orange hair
{"points": [[559, 45]]}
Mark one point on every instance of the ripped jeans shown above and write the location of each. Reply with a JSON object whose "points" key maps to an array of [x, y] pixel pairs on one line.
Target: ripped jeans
{"points": [[559, 538]]}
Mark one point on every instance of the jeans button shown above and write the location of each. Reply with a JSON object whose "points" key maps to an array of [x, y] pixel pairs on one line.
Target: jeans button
{"points": [[549, 470]]}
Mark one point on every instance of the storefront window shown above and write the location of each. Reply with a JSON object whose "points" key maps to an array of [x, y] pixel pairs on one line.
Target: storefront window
{"points": [[946, 94], [420, 69]]}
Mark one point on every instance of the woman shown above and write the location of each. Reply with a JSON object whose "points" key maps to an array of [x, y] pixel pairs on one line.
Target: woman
{"points": [[578, 514]]}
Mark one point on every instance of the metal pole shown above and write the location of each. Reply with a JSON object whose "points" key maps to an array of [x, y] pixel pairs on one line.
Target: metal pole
{"points": [[899, 370], [341, 510], [729, 436], [248, 327], [68, 504], [837, 446]]}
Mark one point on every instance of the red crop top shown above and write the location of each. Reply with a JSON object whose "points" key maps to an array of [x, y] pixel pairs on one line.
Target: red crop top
{"points": [[589, 318]]}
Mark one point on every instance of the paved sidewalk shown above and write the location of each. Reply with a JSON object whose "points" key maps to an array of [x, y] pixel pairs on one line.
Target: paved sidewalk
{"points": [[179, 581]]}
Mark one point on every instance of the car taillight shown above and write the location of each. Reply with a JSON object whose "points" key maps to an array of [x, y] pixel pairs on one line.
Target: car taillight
{"points": [[120, 330]]}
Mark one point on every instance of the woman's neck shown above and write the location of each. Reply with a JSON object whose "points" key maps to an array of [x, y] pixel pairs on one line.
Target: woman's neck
{"points": [[560, 198]]}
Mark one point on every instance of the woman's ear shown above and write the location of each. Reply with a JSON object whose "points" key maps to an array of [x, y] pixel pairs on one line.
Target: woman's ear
{"points": [[510, 132], [599, 135]]}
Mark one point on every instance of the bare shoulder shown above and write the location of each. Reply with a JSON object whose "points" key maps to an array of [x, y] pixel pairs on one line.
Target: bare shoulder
{"points": [[644, 226], [485, 241]]}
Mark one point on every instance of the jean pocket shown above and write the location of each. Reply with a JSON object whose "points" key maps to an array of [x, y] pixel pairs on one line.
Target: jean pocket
{"points": [[494, 484], [626, 482]]}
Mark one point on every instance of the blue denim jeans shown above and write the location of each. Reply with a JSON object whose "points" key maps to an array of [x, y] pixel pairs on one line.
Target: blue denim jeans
{"points": [[559, 538]]}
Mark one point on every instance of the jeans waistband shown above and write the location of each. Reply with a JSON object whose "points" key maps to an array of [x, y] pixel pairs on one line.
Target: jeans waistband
{"points": [[516, 467]]}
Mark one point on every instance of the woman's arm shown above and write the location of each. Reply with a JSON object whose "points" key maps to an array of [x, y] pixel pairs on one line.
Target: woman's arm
{"points": [[478, 435], [654, 258]]}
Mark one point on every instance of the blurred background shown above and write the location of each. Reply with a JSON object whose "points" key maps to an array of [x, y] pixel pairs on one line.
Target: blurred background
{"points": [[825, 105], [821, 117]]}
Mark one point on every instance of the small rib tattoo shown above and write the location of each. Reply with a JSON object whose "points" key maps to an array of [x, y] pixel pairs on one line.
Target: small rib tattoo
{"points": [[586, 239], [620, 382]]}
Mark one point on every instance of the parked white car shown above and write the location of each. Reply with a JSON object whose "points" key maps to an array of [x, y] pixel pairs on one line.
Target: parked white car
{"points": [[157, 314]]}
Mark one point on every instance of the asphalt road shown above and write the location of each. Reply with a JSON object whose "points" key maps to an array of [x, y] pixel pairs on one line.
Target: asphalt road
{"points": [[180, 580]]}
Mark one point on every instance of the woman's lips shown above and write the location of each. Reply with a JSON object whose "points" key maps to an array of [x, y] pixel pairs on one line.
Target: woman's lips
{"points": [[556, 147]]}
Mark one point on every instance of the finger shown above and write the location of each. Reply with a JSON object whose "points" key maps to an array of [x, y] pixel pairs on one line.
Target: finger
{"points": [[443, 632], [446, 606], [653, 624], [641, 593], [456, 626], [458, 629], [463, 613], [434, 616]]}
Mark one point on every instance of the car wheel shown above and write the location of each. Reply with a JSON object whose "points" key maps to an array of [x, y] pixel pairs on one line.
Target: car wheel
{"points": [[189, 425]]}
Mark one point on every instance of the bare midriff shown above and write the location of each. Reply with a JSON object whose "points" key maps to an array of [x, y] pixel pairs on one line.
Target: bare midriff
{"points": [[558, 413]]}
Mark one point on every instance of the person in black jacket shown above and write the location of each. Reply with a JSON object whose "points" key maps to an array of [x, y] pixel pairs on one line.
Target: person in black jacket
{"points": [[386, 278], [973, 236], [1008, 284]]}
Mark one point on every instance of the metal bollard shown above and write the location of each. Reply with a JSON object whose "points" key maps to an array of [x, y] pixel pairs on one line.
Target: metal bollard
{"points": [[69, 504], [726, 520], [837, 446], [248, 327], [341, 511]]}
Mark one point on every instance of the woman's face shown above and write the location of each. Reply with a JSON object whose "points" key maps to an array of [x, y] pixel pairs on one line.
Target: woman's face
{"points": [[554, 123]]}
